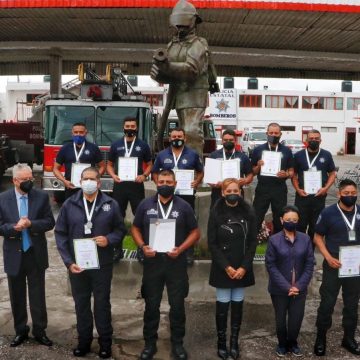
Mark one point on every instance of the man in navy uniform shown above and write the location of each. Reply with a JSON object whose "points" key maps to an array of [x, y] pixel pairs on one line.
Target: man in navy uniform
{"points": [[228, 152], [79, 150], [338, 226], [312, 159], [165, 268], [272, 190], [179, 156], [90, 214], [25, 216]]}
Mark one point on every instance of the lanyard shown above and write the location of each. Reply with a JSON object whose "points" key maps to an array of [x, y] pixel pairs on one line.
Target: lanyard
{"points": [[176, 159], [276, 149], [127, 151], [310, 164], [89, 215], [78, 154], [165, 216], [232, 154], [352, 225]]}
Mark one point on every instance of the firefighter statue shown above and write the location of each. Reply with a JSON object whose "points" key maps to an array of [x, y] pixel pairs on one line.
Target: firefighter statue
{"points": [[186, 66]]}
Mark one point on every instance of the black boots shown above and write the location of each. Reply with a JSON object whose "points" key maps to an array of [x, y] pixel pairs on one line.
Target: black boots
{"points": [[349, 342], [320, 342], [236, 317], [221, 324]]}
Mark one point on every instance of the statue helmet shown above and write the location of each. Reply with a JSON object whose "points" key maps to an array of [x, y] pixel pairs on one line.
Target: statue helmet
{"points": [[183, 14]]}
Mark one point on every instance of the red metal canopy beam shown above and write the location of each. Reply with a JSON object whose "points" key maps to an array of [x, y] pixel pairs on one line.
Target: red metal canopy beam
{"points": [[341, 6]]}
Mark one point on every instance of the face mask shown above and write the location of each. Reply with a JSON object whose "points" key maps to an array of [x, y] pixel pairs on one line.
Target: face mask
{"points": [[89, 187], [228, 145], [130, 132], [166, 190], [314, 145], [78, 139], [289, 225], [178, 143], [348, 200], [26, 186], [273, 139], [232, 198]]}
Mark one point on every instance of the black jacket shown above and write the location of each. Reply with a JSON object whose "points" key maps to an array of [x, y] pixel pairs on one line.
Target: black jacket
{"points": [[232, 242]]}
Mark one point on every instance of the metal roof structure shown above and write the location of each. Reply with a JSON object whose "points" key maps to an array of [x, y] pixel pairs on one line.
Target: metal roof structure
{"points": [[275, 38]]}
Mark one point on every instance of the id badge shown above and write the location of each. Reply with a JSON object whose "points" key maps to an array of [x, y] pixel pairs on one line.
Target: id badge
{"points": [[352, 235], [314, 168], [87, 230]]}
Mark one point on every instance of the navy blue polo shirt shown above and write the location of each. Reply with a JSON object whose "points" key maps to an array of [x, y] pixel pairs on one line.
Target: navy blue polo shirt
{"points": [[331, 224], [181, 212], [66, 156], [324, 163], [189, 160], [287, 162], [141, 150]]}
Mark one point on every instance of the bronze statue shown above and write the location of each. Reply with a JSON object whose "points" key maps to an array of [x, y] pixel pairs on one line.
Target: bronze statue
{"points": [[185, 65]]}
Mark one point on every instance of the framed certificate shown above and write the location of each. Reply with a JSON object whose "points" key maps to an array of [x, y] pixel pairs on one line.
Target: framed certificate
{"points": [[127, 168], [76, 170], [86, 254], [230, 169], [272, 163], [184, 178], [312, 181], [162, 234], [349, 256]]}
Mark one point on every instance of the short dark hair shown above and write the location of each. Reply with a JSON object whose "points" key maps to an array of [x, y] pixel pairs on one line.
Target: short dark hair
{"points": [[79, 124], [289, 208], [229, 132], [274, 124], [178, 128], [91, 169], [130, 118], [313, 131], [167, 173], [346, 182]]}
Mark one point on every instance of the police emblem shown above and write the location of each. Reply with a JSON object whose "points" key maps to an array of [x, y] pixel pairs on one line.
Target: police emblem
{"points": [[322, 160], [184, 161], [138, 148], [357, 216], [106, 207], [86, 152], [175, 214]]}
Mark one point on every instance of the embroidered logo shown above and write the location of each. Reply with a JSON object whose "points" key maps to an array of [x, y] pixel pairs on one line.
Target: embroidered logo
{"points": [[357, 216], [175, 214], [106, 207], [120, 148], [86, 152], [152, 212], [322, 160], [138, 148], [168, 161], [184, 161]]}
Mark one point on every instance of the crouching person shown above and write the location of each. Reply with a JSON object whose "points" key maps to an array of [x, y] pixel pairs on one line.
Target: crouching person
{"points": [[90, 215]]}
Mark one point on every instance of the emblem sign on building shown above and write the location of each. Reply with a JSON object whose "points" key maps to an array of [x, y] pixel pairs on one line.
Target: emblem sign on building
{"points": [[222, 105]]}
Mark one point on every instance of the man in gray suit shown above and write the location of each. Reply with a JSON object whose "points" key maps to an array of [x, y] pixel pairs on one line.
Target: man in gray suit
{"points": [[25, 216]]}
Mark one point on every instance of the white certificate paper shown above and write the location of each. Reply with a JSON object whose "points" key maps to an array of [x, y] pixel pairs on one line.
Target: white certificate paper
{"points": [[212, 171], [86, 254], [127, 168], [76, 170], [272, 163], [184, 178], [162, 234], [349, 257], [312, 181], [230, 169]]}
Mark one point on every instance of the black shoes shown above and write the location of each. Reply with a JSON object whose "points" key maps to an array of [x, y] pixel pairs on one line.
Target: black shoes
{"points": [[351, 345], [178, 352], [148, 352], [81, 351], [43, 340], [320, 345], [105, 353], [18, 340]]}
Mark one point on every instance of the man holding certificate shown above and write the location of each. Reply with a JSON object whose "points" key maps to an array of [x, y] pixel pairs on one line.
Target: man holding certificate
{"points": [[337, 236], [314, 173], [164, 228], [76, 156], [227, 153], [88, 226]]}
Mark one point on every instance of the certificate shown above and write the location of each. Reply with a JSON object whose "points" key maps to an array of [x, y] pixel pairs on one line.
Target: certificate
{"points": [[349, 257], [127, 168], [76, 170], [312, 181], [184, 178], [272, 163], [162, 234], [212, 171], [230, 169], [86, 254]]}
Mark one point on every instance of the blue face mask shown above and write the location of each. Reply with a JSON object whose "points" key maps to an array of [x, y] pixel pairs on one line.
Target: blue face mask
{"points": [[78, 139], [289, 226]]}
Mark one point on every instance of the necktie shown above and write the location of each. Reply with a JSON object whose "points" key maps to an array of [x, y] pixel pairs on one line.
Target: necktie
{"points": [[26, 242]]}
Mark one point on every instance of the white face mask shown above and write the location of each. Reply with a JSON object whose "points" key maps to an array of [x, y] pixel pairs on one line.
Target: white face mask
{"points": [[89, 187]]}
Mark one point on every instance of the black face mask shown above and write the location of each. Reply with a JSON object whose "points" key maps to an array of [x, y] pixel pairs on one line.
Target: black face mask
{"points": [[232, 198], [228, 145], [177, 143], [348, 200], [314, 145], [166, 190], [273, 139], [26, 186], [289, 226], [130, 132]]}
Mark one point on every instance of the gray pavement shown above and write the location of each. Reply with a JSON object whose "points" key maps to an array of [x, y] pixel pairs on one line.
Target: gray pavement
{"points": [[257, 338]]}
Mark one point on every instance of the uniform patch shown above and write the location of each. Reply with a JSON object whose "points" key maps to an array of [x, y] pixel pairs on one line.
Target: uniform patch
{"points": [[184, 161], [138, 148], [175, 214], [357, 216], [152, 212], [106, 207], [322, 160], [168, 161], [86, 152], [120, 148]]}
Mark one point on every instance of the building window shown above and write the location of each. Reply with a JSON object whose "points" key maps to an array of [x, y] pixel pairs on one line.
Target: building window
{"points": [[250, 101], [328, 129], [324, 103], [31, 97], [353, 103], [279, 101], [288, 128], [154, 99]]}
